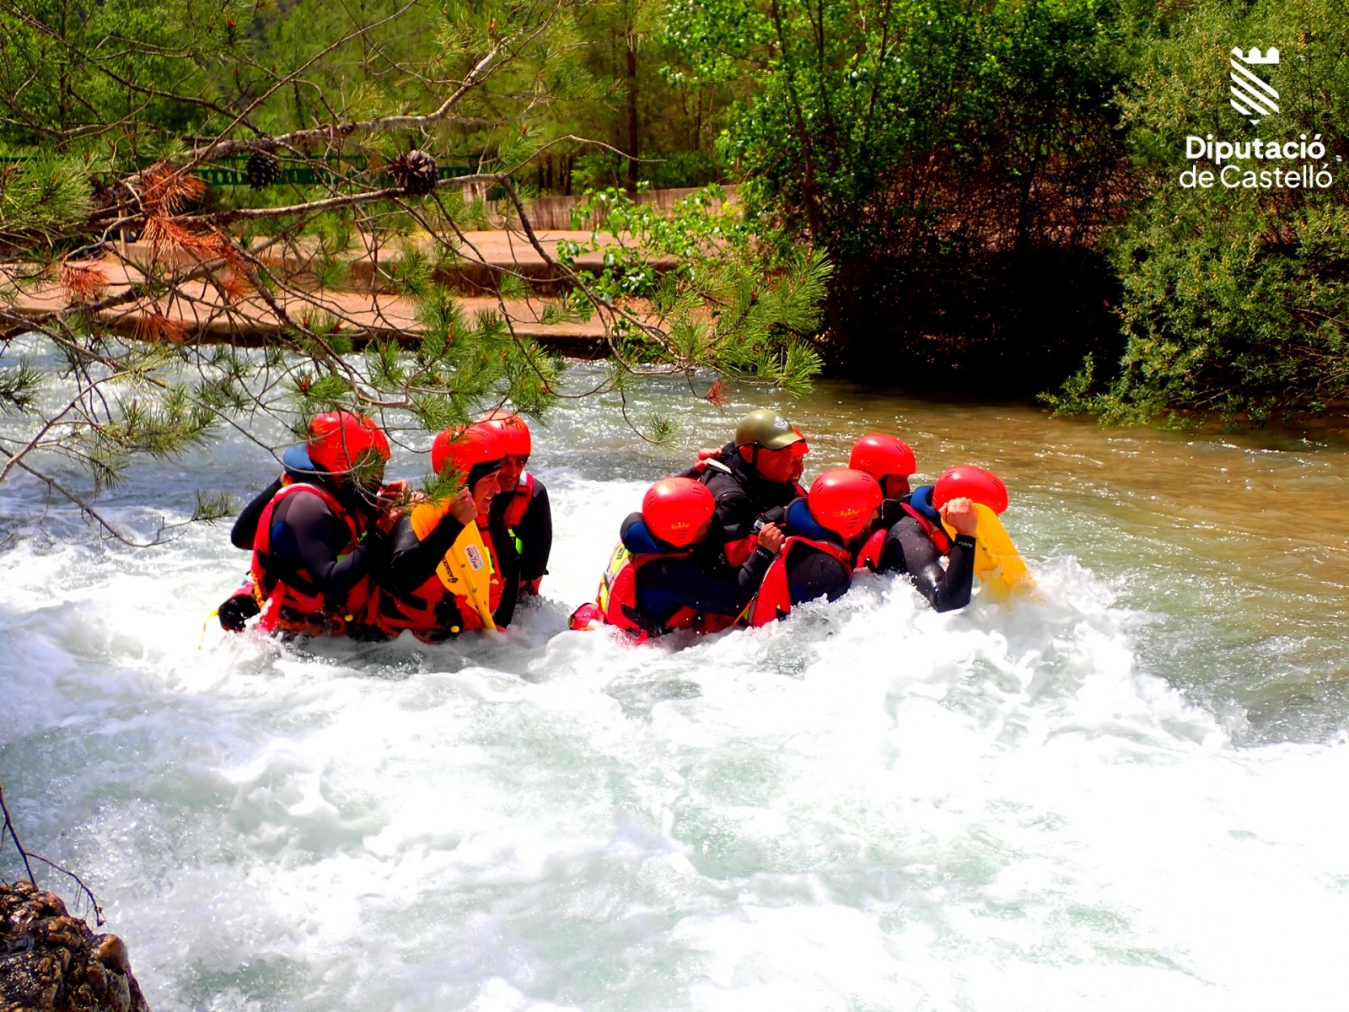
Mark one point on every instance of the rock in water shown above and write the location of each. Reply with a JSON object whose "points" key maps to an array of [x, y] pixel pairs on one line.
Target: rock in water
{"points": [[52, 962]]}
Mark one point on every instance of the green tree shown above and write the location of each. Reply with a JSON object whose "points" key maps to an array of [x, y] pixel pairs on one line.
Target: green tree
{"points": [[1234, 299], [957, 162], [369, 138]]}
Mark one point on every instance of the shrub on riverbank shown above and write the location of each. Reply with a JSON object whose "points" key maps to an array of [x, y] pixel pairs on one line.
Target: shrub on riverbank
{"points": [[958, 162], [1235, 299]]}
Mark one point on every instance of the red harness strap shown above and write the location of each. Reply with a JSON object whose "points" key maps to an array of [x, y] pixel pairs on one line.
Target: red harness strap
{"points": [[935, 532], [521, 496], [869, 558]]}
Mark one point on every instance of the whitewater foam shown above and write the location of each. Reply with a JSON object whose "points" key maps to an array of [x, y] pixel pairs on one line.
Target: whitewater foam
{"points": [[869, 805]]}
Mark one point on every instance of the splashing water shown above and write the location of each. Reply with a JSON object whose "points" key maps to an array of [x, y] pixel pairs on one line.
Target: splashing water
{"points": [[1122, 794]]}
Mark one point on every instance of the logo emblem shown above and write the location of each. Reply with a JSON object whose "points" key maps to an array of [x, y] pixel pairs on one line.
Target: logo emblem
{"points": [[1252, 96]]}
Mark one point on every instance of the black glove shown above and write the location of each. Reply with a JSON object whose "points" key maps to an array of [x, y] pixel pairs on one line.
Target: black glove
{"points": [[235, 611], [377, 546]]}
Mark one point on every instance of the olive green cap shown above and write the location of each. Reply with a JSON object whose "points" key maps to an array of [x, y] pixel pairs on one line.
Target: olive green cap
{"points": [[766, 428]]}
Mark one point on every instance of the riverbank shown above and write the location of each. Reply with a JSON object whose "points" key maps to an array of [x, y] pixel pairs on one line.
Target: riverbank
{"points": [[214, 309]]}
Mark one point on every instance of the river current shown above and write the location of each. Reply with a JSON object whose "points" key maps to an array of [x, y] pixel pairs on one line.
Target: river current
{"points": [[1127, 792]]}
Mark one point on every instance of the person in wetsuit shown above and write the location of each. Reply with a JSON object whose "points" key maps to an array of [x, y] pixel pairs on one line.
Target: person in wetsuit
{"points": [[890, 461], [319, 534], [521, 507], [668, 574], [695, 580], [756, 472], [412, 594], [916, 544]]}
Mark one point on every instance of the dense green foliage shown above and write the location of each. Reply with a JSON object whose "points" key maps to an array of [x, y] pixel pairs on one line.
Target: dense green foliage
{"points": [[1235, 301], [998, 187], [370, 137], [942, 194], [956, 160]]}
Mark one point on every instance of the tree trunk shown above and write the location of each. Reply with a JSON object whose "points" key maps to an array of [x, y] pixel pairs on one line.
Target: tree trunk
{"points": [[633, 146]]}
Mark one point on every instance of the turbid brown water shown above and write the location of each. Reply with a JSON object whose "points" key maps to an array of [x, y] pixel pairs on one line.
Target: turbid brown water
{"points": [[1237, 541]]}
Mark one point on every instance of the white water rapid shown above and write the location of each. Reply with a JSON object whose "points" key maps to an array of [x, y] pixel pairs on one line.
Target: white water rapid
{"points": [[1126, 794]]}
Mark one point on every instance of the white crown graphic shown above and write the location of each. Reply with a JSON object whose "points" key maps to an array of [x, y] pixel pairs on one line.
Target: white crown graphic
{"points": [[1252, 96]]}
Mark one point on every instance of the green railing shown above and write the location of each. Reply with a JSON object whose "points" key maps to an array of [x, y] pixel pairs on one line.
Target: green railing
{"points": [[229, 171]]}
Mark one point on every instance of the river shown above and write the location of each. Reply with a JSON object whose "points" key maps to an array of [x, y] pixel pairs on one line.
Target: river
{"points": [[1124, 793]]}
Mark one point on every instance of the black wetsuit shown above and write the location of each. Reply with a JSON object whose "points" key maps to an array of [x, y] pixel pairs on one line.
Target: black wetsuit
{"points": [[533, 534], [246, 526], [307, 536], [908, 549], [692, 581], [811, 573]]}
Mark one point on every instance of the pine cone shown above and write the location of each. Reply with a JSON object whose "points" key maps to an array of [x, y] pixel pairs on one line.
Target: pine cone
{"points": [[263, 169], [415, 173]]}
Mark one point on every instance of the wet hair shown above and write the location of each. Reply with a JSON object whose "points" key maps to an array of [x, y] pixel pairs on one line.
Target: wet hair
{"points": [[481, 470]]}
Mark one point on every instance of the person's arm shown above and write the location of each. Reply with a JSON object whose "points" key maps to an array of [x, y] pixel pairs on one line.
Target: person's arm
{"points": [[734, 515], [413, 560], [536, 535], [246, 527], [908, 549], [308, 538], [508, 571]]}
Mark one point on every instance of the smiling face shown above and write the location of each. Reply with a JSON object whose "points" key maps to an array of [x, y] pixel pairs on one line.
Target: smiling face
{"points": [[484, 491], [511, 468]]}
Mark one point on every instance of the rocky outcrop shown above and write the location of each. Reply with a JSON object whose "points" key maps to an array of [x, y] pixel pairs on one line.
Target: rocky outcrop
{"points": [[52, 962]]}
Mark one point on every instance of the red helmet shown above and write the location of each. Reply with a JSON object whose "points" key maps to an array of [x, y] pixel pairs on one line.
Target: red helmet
{"points": [[675, 509], [970, 482], [512, 430], [879, 455], [842, 500], [339, 439], [468, 449]]}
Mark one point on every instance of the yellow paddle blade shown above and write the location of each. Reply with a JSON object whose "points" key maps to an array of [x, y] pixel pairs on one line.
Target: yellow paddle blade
{"points": [[466, 570], [997, 563]]}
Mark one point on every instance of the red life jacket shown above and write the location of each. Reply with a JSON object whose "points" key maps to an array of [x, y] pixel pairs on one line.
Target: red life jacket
{"points": [[774, 599], [869, 558], [432, 611], [616, 600], [294, 603], [520, 498]]}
